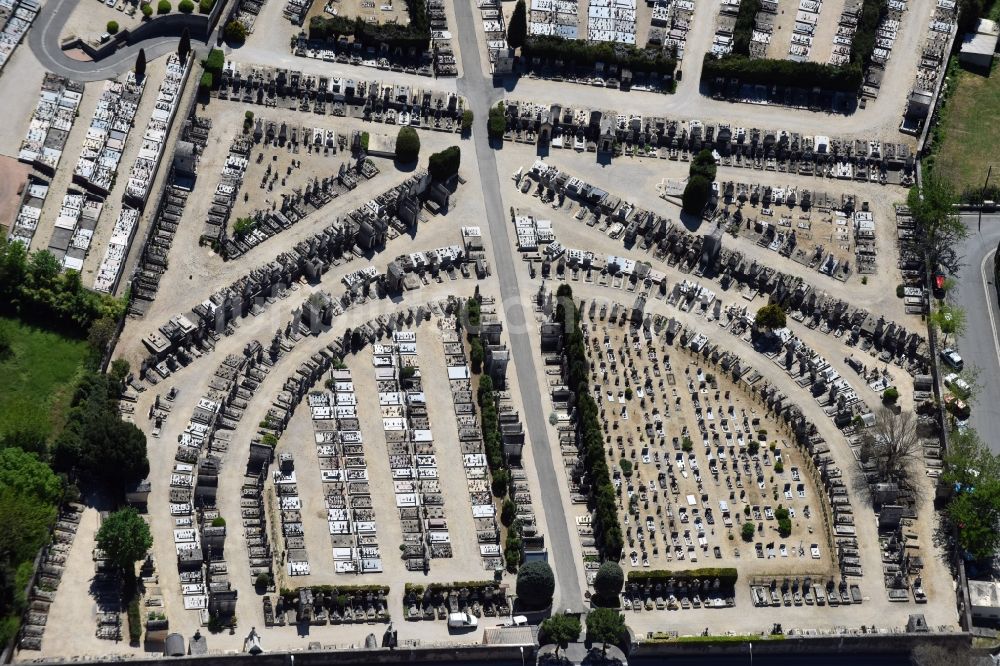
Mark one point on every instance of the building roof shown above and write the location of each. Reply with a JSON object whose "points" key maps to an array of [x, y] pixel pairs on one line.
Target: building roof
{"points": [[983, 41], [984, 593]]}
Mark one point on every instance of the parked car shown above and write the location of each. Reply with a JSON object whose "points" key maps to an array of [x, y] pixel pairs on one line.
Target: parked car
{"points": [[951, 357], [461, 621], [957, 384]]}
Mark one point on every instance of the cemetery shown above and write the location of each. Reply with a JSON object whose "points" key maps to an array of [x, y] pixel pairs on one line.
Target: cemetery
{"points": [[361, 388]]}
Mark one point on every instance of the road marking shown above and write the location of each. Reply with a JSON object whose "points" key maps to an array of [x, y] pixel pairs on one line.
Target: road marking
{"points": [[989, 305]]}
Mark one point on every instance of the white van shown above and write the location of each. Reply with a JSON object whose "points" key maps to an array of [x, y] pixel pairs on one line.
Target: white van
{"points": [[461, 621]]}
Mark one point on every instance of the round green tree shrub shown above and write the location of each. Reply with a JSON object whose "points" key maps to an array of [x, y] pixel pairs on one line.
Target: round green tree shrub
{"points": [[407, 145], [608, 583], [163, 7], [235, 32], [535, 585], [112, 27], [147, 9]]}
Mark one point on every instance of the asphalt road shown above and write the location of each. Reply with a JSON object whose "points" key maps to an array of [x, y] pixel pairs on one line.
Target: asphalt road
{"points": [[43, 38], [481, 93], [979, 346]]}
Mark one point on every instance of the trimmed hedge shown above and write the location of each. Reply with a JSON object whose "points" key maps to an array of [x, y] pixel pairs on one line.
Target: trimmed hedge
{"points": [[579, 52], [727, 575], [783, 72], [416, 34], [762, 71], [590, 438], [743, 30]]}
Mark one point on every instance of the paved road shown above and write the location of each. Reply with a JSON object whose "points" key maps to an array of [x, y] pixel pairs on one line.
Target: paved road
{"points": [[44, 41], [980, 345], [481, 92]]}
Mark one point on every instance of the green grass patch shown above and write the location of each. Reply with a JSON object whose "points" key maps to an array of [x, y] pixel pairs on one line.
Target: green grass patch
{"points": [[38, 378], [969, 131]]}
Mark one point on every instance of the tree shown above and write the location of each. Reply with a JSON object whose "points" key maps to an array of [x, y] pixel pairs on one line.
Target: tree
{"points": [[112, 27], [235, 32], [517, 29], [184, 46], [560, 630], [892, 443], [608, 583], [444, 165], [605, 625], [6, 350], [147, 9], [163, 7], [185, 6], [125, 538], [975, 512], [770, 317], [535, 585], [696, 195], [407, 145], [507, 512], [949, 320], [747, 531], [940, 231], [243, 226], [119, 371], [703, 165], [140, 64], [496, 124], [476, 354], [890, 395]]}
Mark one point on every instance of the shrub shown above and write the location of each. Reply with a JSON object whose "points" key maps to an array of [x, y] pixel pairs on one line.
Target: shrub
{"points": [[496, 125], [467, 118], [686, 444], [499, 481], [747, 531], [535, 585], [770, 316], [890, 395], [407, 145], [507, 512], [517, 28], [444, 165], [608, 583], [779, 466], [476, 355], [235, 32], [205, 6], [900, 291], [147, 9], [219, 522], [134, 621], [215, 61], [185, 6], [753, 447], [163, 7], [628, 394], [626, 466], [112, 27], [264, 579]]}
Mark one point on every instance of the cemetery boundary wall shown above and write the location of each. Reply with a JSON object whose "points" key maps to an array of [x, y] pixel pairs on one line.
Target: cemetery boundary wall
{"points": [[508, 655]]}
